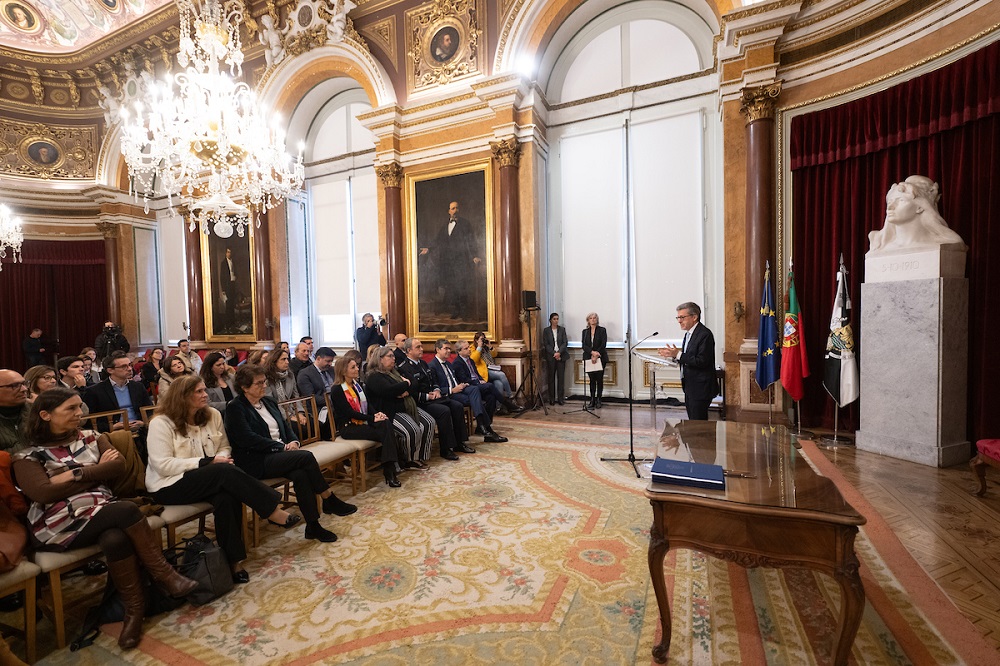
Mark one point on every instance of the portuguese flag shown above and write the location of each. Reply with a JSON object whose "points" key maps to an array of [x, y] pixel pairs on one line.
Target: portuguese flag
{"points": [[794, 364]]}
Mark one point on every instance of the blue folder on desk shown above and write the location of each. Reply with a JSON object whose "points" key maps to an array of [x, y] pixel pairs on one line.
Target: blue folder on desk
{"points": [[695, 475]]}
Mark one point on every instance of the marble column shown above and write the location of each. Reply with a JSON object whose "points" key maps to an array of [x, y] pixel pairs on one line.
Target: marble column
{"points": [[758, 104], [508, 153], [262, 281], [196, 300], [110, 232], [391, 175]]}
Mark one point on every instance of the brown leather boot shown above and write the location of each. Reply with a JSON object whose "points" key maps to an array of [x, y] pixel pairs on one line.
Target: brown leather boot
{"points": [[125, 574], [147, 547]]}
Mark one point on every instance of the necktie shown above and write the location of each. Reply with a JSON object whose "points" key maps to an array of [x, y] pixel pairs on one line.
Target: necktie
{"points": [[327, 381], [684, 346], [473, 373], [451, 377]]}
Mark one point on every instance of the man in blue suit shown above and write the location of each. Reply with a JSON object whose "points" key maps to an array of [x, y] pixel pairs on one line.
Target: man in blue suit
{"points": [[472, 391]]}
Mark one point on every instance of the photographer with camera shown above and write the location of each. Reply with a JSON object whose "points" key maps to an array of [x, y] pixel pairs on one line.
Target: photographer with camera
{"points": [[368, 335], [110, 340]]}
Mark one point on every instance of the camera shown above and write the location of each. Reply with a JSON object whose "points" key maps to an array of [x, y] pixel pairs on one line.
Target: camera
{"points": [[112, 330], [382, 322]]}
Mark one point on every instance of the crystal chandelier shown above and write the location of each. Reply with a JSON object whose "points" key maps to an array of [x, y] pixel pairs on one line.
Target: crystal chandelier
{"points": [[201, 135], [11, 235]]}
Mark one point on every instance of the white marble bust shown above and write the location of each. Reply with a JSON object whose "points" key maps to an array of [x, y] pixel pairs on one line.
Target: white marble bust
{"points": [[912, 221]]}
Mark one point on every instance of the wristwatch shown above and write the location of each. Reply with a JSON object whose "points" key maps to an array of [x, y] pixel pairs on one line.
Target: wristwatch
{"points": [[77, 474]]}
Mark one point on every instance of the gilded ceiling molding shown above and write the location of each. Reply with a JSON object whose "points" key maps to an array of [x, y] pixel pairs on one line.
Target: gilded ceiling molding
{"points": [[507, 152], [390, 174], [759, 102], [383, 34], [109, 230], [47, 151]]}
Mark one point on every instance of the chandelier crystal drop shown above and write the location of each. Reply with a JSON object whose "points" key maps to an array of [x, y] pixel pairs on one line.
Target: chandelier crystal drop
{"points": [[11, 235], [200, 135]]}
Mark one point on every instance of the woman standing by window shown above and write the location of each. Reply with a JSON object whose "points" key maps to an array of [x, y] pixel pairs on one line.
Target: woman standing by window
{"points": [[595, 348]]}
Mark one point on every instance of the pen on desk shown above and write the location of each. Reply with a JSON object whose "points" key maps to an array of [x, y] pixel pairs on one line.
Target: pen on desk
{"points": [[737, 474]]}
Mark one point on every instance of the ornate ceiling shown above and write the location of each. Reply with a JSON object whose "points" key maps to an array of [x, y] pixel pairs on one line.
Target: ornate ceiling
{"points": [[64, 26]]}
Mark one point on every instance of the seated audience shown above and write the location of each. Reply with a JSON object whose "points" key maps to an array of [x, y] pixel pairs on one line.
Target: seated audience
{"points": [[118, 391], [39, 378], [265, 447], [69, 371], [89, 377], [256, 357], [315, 380], [281, 386], [95, 363], [301, 359], [192, 361], [283, 345], [189, 462], [398, 351], [218, 378], [356, 420], [368, 334], [172, 368], [481, 356], [150, 372], [66, 473], [448, 414], [14, 407], [480, 398], [232, 356], [389, 393]]}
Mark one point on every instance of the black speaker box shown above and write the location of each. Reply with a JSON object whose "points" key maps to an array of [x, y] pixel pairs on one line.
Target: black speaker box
{"points": [[529, 300]]}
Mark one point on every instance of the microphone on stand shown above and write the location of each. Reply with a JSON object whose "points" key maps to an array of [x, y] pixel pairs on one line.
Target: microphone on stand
{"points": [[651, 335]]}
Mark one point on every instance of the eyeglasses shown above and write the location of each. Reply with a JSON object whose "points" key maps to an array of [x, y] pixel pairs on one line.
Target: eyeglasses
{"points": [[122, 367], [16, 386], [262, 382], [682, 317]]}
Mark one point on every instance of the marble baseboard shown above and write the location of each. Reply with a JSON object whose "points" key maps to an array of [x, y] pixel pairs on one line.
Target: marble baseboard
{"points": [[946, 455]]}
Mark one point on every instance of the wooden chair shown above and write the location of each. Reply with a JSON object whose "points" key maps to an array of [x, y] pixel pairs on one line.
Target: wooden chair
{"points": [[362, 447], [988, 455], [147, 413], [102, 421], [22, 579]]}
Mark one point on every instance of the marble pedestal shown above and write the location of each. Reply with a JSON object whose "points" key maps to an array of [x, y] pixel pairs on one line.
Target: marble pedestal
{"points": [[914, 368]]}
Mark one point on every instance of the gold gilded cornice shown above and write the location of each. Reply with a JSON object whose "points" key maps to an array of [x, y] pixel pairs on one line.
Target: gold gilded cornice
{"points": [[507, 152], [390, 174], [759, 102]]}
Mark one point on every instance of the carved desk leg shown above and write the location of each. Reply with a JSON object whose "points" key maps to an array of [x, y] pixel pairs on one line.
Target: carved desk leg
{"points": [[658, 547], [852, 598]]}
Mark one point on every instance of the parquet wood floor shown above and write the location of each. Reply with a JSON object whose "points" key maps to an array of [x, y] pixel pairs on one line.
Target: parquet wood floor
{"points": [[954, 535]]}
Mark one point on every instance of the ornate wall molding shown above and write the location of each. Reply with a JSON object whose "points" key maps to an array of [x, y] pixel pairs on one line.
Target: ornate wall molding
{"points": [[444, 43], [47, 151], [383, 35], [107, 229], [390, 174], [507, 152]]}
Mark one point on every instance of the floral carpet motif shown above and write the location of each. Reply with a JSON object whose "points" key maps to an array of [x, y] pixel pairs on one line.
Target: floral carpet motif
{"points": [[530, 552]]}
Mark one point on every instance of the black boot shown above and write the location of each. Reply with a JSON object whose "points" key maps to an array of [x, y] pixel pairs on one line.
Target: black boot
{"points": [[319, 533], [334, 504], [125, 574], [512, 406], [147, 547], [389, 472]]}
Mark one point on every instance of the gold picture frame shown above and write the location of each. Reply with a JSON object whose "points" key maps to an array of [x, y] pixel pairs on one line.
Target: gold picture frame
{"points": [[451, 275], [443, 43], [230, 314], [610, 373]]}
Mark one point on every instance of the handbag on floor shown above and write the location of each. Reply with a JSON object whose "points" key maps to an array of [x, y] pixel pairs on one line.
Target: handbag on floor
{"points": [[202, 560]]}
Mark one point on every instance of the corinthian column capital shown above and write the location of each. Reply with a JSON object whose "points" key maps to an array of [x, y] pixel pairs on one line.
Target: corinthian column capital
{"points": [[107, 229], [507, 152], [759, 102], [390, 174]]}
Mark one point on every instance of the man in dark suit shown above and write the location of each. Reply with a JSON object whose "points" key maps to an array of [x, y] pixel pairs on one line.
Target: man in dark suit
{"points": [[448, 414], [482, 402], [466, 373], [696, 358], [118, 391], [457, 251], [315, 380], [229, 290], [554, 353], [300, 359]]}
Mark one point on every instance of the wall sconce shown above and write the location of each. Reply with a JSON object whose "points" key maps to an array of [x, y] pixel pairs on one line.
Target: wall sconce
{"points": [[739, 310], [184, 325]]}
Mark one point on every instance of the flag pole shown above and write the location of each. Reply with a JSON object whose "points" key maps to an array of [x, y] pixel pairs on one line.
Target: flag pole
{"points": [[799, 432]]}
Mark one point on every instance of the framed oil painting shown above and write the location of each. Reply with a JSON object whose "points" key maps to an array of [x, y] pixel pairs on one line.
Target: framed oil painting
{"points": [[229, 288], [449, 235]]}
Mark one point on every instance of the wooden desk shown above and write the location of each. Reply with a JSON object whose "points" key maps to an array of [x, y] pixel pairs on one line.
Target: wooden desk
{"points": [[785, 516]]}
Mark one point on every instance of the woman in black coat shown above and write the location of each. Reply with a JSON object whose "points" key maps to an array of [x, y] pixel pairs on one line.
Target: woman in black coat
{"points": [[389, 393], [265, 447], [595, 348], [356, 419]]}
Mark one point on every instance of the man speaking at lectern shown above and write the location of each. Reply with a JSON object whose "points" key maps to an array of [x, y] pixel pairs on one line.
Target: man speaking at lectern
{"points": [[696, 358]]}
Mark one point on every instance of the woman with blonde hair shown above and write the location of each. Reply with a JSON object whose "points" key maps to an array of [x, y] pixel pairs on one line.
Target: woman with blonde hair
{"points": [[595, 348], [39, 378], [389, 392], [190, 461]]}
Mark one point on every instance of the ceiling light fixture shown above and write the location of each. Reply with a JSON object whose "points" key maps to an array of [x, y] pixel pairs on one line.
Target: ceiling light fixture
{"points": [[201, 135], [11, 235]]}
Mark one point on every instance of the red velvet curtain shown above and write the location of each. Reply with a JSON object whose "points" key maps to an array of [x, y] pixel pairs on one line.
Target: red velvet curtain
{"points": [[61, 288], [944, 125]]}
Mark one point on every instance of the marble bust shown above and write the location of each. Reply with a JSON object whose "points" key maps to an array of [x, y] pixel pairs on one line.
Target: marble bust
{"points": [[912, 220]]}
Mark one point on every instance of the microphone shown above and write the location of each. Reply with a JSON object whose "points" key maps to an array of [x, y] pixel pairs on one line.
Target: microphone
{"points": [[651, 335]]}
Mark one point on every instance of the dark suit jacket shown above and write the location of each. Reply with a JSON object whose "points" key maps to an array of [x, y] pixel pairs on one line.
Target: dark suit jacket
{"points": [[598, 344], [310, 382], [296, 366], [439, 375], [552, 344], [101, 398], [225, 282], [421, 377], [250, 437], [699, 380], [343, 413], [384, 394], [463, 374]]}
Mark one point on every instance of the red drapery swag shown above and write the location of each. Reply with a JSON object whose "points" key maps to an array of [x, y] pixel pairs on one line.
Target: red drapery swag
{"points": [[944, 125], [60, 287]]}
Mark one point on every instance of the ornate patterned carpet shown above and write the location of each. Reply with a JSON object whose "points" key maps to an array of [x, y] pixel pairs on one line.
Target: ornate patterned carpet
{"points": [[530, 552]]}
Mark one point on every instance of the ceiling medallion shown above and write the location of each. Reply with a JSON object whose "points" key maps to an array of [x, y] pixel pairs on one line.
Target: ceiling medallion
{"points": [[200, 135]]}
